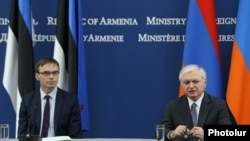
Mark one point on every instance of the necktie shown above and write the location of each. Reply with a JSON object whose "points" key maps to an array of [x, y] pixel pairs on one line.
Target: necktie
{"points": [[194, 114], [46, 117]]}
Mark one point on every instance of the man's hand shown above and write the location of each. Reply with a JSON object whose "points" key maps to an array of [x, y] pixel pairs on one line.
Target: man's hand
{"points": [[178, 132], [197, 132]]}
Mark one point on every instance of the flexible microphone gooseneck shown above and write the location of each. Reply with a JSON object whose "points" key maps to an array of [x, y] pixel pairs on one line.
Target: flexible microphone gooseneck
{"points": [[186, 136], [31, 115], [28, 136]]}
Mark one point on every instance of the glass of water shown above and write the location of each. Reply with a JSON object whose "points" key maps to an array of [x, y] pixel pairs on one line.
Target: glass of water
{"points": [[4, 131], [160, 132]]}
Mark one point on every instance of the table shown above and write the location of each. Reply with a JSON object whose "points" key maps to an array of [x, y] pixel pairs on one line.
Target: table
{"points": [[99, 139]]}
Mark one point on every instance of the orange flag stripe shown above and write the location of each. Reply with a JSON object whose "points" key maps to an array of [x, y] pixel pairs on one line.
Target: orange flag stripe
{"points": [[238, 90]]}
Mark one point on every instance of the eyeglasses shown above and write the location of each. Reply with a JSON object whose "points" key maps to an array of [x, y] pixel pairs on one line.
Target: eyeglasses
{"points": [[47, 73]]}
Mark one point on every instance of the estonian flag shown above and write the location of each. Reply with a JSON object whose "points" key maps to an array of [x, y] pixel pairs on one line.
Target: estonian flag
{"points": [[201, 44], [69, 51], [18, 77]]}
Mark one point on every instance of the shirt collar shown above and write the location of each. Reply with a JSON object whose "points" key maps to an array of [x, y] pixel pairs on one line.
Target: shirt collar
{"points": [[198, 101], [52, 94]]}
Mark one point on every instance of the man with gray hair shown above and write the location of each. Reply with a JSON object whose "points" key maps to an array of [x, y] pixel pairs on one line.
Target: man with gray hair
{"points": [[185, 117]]}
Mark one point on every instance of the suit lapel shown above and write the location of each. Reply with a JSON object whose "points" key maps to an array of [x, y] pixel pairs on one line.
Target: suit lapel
{"points": [[205, 107], [37, 112], [58, 106], [185, 112]]}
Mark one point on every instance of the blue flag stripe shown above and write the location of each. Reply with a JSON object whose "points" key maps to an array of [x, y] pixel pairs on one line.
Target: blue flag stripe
{"points": [[199, 48], [25, 10]]}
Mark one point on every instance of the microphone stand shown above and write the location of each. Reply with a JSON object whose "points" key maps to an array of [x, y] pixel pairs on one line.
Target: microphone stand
{"points": [[28, 136], [186, 136]]}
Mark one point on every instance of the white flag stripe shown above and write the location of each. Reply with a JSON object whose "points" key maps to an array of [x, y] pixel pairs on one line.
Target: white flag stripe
{"points": [[10, 68], [10, 73], [63, 75], [18, 101]]}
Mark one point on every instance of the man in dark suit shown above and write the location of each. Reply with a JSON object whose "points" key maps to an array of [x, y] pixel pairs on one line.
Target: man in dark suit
{"points": [[64, 112], [178, 115]]}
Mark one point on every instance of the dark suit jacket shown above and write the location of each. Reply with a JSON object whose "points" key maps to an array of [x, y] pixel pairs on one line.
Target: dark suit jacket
{"points": [[67, 119], [213, 111]]}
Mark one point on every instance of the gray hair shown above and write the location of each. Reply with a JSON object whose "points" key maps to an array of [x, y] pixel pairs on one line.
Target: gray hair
{"points": [[191, 67]]}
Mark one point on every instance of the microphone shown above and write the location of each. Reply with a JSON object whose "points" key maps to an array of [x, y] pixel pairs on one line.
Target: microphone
{"points": [[31, 115], [186, 136], [28, 136]]}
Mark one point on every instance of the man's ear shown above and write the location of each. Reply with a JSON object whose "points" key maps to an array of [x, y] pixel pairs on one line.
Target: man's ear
{"points": [[37, 76]]}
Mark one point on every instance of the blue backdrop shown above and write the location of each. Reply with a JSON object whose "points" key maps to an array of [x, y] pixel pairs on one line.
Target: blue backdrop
{"points": [[129, 82]]}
